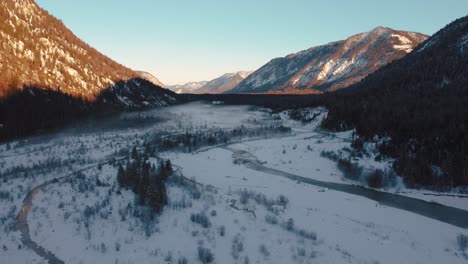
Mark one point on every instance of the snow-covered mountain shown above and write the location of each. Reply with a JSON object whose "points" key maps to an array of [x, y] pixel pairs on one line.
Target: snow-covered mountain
{"points": [[38, 50], [189, 87], [420, 103], [224, 83], [332, 66], [218, 85]]}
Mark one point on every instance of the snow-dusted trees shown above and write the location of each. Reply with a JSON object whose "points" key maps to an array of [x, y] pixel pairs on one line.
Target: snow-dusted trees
{"points": [[145, 180]]}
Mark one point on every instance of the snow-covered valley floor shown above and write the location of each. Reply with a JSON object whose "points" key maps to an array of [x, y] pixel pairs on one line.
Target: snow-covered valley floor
{"points": [[229, 212]]}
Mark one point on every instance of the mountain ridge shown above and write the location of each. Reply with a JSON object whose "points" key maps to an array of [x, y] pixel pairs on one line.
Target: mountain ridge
{"points": [[58, 77], [420, 104], [186, 87], [217, 85], [223, 83], [331, 66], [39, 50]]}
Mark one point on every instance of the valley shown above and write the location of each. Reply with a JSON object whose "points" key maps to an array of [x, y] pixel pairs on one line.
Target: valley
{"points": [[233, 132], [237, 194]]}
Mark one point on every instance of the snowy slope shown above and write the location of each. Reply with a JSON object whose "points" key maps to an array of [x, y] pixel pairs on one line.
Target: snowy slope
{"points": [[331, 66], [38, 50]]}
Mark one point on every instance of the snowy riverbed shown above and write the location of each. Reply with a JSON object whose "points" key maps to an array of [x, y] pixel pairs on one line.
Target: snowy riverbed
{"points": [[247, 221]]}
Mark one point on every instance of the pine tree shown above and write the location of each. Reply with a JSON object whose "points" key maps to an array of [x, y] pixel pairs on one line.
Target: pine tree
{"points": [[168, 166], [144, 185], [121, 176], [134, 154]]}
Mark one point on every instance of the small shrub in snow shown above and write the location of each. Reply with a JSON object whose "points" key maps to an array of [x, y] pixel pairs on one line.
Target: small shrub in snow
{"points": [[222, 230], [282, 200], [271, 219], [211, 188], [358, 143], [5, 195], [301, 252], [244, 197], [205, 255], [260, 198], [66, 215], [213, 213], [329, 154], [264, 250], [350, 169], [290, 224], [182, 260], [462, 241], [103, 248], [237, 246], [380, 179], [201, 219], [168, 258], [183, 203], [375, 179], [378, 158], [196, 193], [307, 234]]}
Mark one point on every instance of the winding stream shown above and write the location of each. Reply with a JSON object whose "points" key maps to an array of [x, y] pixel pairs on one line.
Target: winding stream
{"points": [[446, 214], [22, 218]]}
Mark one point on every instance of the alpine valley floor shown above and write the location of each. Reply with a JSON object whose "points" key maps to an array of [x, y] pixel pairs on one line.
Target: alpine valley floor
{"points": [[269, 198]]}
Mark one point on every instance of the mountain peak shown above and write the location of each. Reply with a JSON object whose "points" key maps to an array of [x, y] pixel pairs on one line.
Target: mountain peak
{"points": [[380, 29]]}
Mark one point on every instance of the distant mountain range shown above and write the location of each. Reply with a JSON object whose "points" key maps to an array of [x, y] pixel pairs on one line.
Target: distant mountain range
{"points": [[38, 50], [218, 85], [224, 83], [332, 66], [189, 87]]}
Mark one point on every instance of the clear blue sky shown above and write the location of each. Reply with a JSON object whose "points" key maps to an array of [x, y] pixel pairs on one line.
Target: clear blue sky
{"points": [[191, 40]]}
